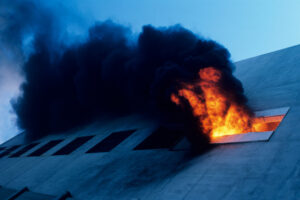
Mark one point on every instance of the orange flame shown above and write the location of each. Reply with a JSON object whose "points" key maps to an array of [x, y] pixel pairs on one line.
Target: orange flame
{"points": [[217, 113]]}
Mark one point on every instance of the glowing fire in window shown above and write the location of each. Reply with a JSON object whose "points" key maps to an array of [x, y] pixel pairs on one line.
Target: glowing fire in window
{"points": [[217, 112]]}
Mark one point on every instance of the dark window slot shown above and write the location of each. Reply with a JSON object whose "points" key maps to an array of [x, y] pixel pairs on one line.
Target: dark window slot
{"points": [[45, 148], [9, 150], [160, 139], [110, 141], [24, 150], [2, 148], [72, 146]]}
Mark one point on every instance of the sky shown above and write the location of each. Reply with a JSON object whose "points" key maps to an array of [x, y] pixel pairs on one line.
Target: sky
{"points": [[246, 28]]}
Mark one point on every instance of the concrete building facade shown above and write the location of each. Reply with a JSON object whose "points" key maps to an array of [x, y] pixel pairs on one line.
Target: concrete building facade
{"points": [[115, 169]]}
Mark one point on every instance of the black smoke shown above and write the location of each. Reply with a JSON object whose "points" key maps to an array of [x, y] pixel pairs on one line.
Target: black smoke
{"points": [[110, 73], [113, 72]]}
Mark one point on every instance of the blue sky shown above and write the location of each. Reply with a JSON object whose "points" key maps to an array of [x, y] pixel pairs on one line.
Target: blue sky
{"points": [[246, 28]]}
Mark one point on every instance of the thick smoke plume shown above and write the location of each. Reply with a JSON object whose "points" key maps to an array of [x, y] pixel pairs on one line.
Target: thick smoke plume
{"points": [[113, 73]]}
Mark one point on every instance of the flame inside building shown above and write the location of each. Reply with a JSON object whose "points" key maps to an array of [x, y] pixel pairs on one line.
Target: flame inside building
{"points": [[217, 112]]}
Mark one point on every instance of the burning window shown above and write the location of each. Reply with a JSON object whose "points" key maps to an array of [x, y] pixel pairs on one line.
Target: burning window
{"points": [[160, 139], [221, 112], [45, 148], [72, 146], [266, 122], [111, 141], [24, 150]]}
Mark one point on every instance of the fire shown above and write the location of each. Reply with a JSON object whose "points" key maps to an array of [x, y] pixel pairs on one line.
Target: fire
{"points": [[216, 111]]}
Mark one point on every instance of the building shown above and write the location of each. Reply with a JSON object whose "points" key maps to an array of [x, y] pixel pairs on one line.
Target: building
{"points": [[113, 159]]}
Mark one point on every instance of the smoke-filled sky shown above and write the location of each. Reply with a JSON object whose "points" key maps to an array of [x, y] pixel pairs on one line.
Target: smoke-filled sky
{"points": [[245, 28]]}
